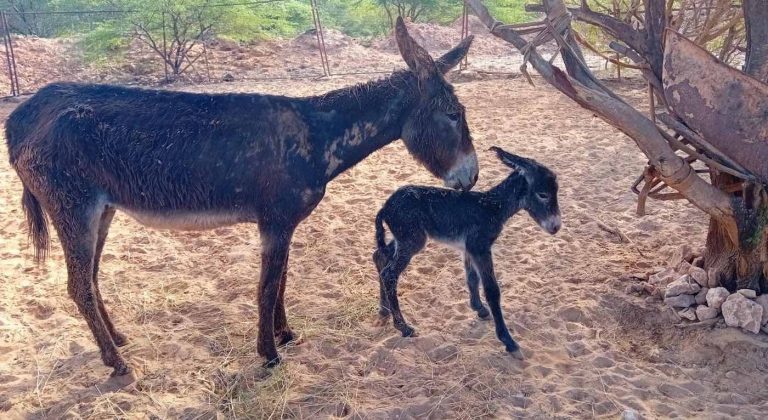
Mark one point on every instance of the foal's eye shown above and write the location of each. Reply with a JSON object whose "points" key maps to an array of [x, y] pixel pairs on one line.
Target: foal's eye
{"points": [[453, 116], [542, 196]]}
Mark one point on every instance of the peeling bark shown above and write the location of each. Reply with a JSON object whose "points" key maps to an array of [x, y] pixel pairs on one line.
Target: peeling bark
{"points": [[722, 104]]}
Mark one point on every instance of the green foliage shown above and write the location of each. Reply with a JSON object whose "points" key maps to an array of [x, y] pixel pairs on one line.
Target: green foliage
{"points": [[104, 35], [104, 43], [510, 11]]}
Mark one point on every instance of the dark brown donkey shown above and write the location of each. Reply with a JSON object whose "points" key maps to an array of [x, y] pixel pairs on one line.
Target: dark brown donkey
{"points": [[199, 161]]}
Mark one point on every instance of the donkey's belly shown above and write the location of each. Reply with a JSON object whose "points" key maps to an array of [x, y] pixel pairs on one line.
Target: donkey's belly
{"points": [[186, 220]]}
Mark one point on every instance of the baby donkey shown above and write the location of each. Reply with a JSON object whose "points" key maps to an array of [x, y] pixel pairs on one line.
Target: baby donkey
{"points": [[469, 221]]}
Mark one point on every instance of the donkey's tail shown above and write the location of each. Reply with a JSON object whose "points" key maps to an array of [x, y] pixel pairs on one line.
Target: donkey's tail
{"points": [[381, 243], [37, 223]]}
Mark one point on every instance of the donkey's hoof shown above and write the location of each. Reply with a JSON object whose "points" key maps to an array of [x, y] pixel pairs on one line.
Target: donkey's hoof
{"points": [[121, 369], [517, 354], [284, 337], [484, 313], [272, 363], [120, 339], [408, 332]]}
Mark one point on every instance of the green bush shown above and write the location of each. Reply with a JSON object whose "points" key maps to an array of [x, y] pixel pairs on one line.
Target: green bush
{"points": [[107, 42]]}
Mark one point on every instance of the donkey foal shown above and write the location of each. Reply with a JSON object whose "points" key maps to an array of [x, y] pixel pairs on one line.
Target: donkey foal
{"points": [[469, 221]]}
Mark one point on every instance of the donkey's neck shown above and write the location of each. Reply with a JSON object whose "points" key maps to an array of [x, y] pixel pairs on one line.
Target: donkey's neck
{"points": [[362, 119]]}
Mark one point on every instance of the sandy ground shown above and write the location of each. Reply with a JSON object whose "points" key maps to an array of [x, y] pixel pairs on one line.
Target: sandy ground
{"points": [[187, 301]]}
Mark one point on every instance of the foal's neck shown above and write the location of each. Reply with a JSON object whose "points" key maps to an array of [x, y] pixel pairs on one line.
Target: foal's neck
{"points": [[361, 119], [508, 196]]}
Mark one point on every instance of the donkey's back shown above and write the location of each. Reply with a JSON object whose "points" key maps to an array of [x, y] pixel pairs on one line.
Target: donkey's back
{"points": [[154, 150]]}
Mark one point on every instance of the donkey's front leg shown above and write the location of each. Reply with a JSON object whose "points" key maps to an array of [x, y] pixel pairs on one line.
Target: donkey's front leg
{"points": [[283, 333], [274, 260]]}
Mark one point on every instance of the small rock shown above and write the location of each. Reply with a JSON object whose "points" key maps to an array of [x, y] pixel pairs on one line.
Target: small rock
{"points": [[684, 253], [682, 286], [688, 313], [652, 299], [730, 374], [764, 329], [713, 278], [651, 289], [634, 288], [701, 297], [762, 300], [698, 262], [739, 311], [716, 296], [630, 414], [683, 267], [747, 293], [699, 275], [663, 277], [704, 312], [680, 301], [228, 78]]}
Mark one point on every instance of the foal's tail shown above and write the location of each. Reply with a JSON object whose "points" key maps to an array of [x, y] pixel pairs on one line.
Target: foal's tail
{"points": [[37, 223], [381, 243]]}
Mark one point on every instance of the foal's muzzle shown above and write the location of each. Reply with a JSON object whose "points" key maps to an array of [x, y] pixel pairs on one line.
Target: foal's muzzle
{"points": [[463, 175]]}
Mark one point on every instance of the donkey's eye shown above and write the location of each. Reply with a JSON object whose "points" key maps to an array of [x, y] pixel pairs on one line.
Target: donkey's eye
{"points": [[453, 116], [542, 196]]}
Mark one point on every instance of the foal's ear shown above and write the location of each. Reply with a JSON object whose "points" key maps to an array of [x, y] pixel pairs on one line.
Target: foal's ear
{"points": [[512, 160], [453, 57], [415, 56]]}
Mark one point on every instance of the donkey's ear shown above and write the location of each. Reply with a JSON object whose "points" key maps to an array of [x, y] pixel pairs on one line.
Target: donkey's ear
{"points": [[513, 161], [453, 57], [415, 56]]}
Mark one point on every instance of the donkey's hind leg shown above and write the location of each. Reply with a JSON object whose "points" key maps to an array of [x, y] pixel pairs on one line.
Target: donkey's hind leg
{"points": [[78, 230], [104, 223]]}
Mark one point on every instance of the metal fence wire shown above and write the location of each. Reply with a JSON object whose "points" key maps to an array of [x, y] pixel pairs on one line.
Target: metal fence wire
{"points": [[223, 42]]}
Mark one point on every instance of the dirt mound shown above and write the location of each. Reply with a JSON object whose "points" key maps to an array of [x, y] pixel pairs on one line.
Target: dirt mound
{"points": [[438, 38]]}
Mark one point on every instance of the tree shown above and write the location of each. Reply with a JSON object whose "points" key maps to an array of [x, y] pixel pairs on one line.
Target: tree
{"points": [[710, 112], [174, 29]]}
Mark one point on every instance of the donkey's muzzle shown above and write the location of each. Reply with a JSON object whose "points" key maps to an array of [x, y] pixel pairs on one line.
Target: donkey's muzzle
{"points": [[463, 175], [552, 224]]}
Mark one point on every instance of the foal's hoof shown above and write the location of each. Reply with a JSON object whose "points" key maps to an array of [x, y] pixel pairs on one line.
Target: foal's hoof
{"points": [[120, 339], [484, 313], [408, 332], [284, 337], [274, 362]]}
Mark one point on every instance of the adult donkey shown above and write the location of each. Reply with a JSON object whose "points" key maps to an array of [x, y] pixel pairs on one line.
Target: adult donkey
{"points": [[199, 161]]}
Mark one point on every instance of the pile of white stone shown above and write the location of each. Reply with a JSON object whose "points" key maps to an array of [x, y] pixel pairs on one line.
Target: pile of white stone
{"points": [[689, 290]]}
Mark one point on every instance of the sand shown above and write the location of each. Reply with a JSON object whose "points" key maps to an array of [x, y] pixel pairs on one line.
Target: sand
{"points": [[187, 301]]}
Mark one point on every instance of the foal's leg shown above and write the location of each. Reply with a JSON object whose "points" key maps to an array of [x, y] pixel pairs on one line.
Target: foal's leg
{"points": [[382, 258], [106, 221], [78, 231], [473, 281], [283, 333], [405, 250], [483, 261], [274, 258]]}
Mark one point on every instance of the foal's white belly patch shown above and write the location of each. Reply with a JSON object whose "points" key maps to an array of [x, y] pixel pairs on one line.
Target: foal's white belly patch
{"points": [[455, 243]]}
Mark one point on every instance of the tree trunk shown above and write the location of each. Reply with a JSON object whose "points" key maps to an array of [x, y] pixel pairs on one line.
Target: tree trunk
{"points": [[744, 265], [756, 24]]}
